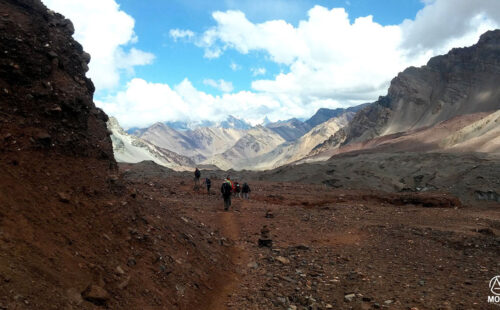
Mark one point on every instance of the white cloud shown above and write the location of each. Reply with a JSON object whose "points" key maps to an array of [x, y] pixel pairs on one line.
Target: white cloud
{"points": [[221, 85], [234, 66], [327, 61], [104, 31], [143, 103], [330, 57], [181, 34], [442, 21], [258, 71]]}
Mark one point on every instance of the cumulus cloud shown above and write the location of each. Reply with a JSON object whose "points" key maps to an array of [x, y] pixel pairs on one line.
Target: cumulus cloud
{"points": [[327, 60], [258, 71], [105, 31], [221, 85], [442, 22], [143, 103], [177, 34], [330, 57]]}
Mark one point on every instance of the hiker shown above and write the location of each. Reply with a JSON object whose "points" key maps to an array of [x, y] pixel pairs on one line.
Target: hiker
{"points": [[246, 191], [208, 183], [230, 183], [197, 175], [226, 190], [237, 189]]}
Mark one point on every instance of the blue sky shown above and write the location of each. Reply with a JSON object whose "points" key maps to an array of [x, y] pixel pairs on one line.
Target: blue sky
{"points": [[178, 60], [191, 60]]}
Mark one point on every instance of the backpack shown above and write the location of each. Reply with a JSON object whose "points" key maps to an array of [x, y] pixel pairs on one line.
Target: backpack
{"points": [[237, 185], [246, 188], [226, 189], [208, 181], [197, 173]]}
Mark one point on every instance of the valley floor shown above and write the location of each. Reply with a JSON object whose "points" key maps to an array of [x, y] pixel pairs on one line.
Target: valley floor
{"points": [[338, 249]]}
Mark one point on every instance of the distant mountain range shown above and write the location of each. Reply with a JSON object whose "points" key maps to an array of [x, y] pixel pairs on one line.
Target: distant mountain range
{"points": [[131, 149], [231, 122], [451, 104], [232, 143]]}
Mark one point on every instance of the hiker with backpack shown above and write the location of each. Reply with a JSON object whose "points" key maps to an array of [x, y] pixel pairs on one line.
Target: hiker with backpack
{"points": [[237, 189], [246, 191], [208, 183], [226, 190], [197, 175]]}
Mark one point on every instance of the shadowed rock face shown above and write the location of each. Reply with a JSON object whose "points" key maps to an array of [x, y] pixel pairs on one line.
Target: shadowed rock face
{"points": [[464, 81], [45, 98]]}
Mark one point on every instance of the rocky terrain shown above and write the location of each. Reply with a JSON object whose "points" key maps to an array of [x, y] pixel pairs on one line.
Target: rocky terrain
{"points": [[471, 177], [72, 234], [339, 248], [366, 229]]}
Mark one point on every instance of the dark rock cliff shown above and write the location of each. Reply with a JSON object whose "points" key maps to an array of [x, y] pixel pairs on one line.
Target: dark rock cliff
{"points": [[45, 98]]}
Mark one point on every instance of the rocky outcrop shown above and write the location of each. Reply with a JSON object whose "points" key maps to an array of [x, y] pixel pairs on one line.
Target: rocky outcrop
{"points": [[45, 98], [67, 218], [324, 114], [464, 81]]}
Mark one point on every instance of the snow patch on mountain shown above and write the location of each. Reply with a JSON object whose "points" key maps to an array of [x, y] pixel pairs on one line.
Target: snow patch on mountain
{"points": [[131, 149]]}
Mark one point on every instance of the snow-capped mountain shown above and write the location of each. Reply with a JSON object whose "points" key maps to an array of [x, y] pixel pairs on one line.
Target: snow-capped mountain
{"points": [[131, 149], [230, 122]]}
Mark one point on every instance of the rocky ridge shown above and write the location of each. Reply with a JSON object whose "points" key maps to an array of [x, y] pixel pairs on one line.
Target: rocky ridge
{"points": [[464, 81], [73, 234]]}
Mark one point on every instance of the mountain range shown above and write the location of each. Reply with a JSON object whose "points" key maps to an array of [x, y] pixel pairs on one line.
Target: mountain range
{"points": [[230, 144], [450, 104]]}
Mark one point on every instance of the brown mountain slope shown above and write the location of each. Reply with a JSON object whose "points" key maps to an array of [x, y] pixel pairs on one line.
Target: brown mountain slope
{"points": [[478, 132], [72, 235], [464, 81]]}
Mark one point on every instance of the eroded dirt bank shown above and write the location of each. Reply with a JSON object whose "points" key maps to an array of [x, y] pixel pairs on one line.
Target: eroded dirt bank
{"points": [[72, 235]]}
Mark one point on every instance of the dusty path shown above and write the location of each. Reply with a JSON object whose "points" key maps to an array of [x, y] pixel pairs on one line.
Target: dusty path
{"points": [[338, 249], [227, 284]]}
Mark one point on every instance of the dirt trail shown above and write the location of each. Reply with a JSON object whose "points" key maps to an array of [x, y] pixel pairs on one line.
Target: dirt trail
{"points": [[227, 284], [337, 249]]}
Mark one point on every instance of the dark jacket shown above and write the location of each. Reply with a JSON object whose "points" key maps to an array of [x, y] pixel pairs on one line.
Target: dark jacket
{"points": [[245, 188], [226, 189]]}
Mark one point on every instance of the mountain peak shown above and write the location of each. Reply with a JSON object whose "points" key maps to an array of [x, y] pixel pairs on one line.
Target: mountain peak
{"points": [[234, 123]]}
